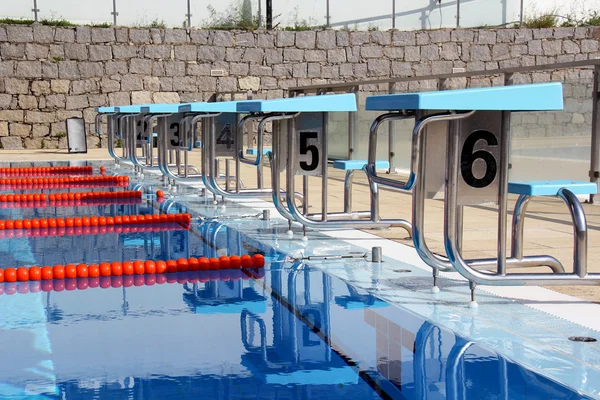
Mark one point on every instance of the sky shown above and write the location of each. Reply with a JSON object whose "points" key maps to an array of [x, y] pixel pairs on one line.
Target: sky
{"points": [[420, 13]]}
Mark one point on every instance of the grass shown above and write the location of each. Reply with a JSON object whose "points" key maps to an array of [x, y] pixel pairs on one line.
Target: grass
{"points": [[119, 144], [593, 20], [60, 134], [12, 21], [102, 25], [541, 21], [56, 22], [57, 59]]}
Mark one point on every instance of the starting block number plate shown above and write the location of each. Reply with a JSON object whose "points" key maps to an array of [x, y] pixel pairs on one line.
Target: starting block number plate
{"points": [[226, 135], [479, 158], [174, 131], [309, 144], [141, 130]]}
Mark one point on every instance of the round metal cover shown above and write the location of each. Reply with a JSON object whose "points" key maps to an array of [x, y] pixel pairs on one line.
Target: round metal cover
{"points": [[586, 339]]}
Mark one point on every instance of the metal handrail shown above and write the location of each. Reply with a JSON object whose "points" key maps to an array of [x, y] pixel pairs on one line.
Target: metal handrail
{"points": [[468, 74]]}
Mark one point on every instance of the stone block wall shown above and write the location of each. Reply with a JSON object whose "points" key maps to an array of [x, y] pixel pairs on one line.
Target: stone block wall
{"points": [[48, 74]]}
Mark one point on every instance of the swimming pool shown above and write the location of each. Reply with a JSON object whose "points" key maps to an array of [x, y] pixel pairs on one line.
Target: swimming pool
{"points": [[289, 330]]}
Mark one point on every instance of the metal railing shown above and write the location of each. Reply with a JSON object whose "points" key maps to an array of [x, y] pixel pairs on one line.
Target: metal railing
{"points": [[507, 73]]}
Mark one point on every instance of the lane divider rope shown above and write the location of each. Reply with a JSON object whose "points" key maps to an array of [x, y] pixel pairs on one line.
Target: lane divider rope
{"points": [[44, 223], [128, 268], [64, 181], [42, 197], [91, 230], [69, 203], [75, 170], [106, 282]]}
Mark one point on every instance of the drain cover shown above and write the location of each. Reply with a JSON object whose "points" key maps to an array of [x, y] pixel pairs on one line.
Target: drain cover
{"points": [[582, 339]]}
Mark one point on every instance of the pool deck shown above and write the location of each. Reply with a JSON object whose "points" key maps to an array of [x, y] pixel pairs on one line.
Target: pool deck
{"points": [[529, 325]]}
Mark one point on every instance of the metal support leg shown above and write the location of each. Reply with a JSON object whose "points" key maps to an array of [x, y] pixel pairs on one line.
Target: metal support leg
{"points": [[518, 225], [348, 191], [579, 231]]}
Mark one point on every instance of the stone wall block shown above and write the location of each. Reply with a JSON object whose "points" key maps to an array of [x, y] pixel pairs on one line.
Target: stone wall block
{"points": [[29, 69], [306, 39], [359, 38], [19, 34], [245, 39], [118, 67], [83, 34], [266, 40], [259, 70], [286, 39], [157, 52], [11, 143], [139, 36], [186, 53], [293, 55], [342, 38], [326, 40], [100, 53], [156, 36], [379, 67], [174, 68], [253, 55], [91, 69], [103, 35], [176, 36], [43, 34], [222, 38], [7, 69], [76, 51], [36, 51], [12, 51], [122, 35], [211, 53], [64, 35], [371, 52], [185, 84]]}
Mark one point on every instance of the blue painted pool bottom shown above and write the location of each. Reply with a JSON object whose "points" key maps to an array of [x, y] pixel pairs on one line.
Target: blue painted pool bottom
{"points": [[160, 333]]}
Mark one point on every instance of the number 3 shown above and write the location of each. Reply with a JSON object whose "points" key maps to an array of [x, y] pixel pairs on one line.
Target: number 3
{"points": [[468, 157], [305, 148]]}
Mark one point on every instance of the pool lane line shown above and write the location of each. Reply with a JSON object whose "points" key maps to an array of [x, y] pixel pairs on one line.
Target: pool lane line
{"points": [[364, 375], [115, 282], [95, 221], [36, 171], [68, 203]]}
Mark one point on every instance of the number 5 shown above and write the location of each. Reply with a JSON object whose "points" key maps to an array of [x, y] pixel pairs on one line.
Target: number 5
{"points": [[305, 148]]}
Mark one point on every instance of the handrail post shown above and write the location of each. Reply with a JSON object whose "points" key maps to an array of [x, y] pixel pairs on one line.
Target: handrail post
{"points": [[352, 124], [595, 146], [391, 136]]}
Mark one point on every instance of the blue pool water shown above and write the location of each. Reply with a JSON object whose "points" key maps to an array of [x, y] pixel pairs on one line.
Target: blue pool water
{"points": [[289, 331]]}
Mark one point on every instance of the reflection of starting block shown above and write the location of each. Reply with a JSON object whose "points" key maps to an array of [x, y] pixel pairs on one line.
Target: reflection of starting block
{"points": [[220, 297]]}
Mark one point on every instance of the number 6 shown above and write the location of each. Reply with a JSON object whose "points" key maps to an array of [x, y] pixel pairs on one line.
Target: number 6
{"points": [[468, 157]]}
